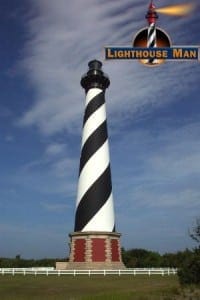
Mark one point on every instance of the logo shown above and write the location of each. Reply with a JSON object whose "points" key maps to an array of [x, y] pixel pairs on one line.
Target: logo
{"points": [[152, 45]]}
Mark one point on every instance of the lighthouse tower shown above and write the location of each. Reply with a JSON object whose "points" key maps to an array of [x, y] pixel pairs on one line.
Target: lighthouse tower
{"points": [[95, 244], [151, 17]]}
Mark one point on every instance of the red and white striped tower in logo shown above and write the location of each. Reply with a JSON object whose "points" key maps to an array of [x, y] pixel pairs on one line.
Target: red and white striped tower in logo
{"points": [[94, 243], [151, 17]]}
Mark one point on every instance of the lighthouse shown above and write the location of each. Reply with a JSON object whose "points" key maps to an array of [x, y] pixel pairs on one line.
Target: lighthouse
{"points": [[151, 17], [95, 244]]}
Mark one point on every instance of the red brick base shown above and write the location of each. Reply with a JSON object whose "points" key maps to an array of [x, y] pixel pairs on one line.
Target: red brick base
{"points": [[95, 250]]}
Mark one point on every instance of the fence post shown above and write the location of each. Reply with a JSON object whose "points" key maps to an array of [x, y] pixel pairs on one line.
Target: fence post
{"points": [[175, 271], [74, 272], [149, 272]]}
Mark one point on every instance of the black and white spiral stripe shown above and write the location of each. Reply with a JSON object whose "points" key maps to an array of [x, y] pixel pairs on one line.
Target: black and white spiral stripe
{"points": [[94, 206], [151, 40]]}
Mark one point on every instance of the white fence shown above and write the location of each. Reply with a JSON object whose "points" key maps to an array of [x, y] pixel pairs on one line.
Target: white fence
{"points": [[52, 271]]}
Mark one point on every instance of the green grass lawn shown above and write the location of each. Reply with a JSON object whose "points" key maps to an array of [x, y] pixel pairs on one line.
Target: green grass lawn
{"points": [[84, 287]]}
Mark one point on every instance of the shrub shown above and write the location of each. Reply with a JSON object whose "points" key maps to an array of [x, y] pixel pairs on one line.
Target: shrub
{"points": [[190, 271]]}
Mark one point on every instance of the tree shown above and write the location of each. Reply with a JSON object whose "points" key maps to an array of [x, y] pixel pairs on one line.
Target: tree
{"points": [[140, 258], [190, 271], [195, 234], [18, 257]]}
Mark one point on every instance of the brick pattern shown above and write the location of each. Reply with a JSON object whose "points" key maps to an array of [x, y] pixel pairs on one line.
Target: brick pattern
{"points": [[79, 250], [98, 249], [101, 250], [115, 250]]}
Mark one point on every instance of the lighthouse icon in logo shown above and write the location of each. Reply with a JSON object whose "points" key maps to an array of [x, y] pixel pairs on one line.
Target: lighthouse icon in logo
{"points": [[152, 36], [151, 16]]}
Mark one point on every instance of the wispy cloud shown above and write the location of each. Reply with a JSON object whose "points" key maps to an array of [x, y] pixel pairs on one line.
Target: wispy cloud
{"points": [[54, 207], [162, 169], [64, 36], [55, 149], [5, 112], [53, 173], [31, 241], [9, 138]]}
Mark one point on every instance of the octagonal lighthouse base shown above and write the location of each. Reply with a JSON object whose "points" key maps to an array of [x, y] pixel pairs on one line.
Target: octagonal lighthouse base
{"points": [[94, 250]]}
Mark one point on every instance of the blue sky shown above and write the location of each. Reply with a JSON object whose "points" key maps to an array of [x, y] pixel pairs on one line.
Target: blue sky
{"points": [[153, 119]]}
